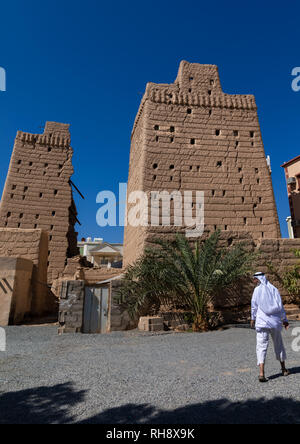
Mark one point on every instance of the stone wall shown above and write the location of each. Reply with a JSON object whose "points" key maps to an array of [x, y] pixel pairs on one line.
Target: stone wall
{"points": [[190, 136], [31, 245], [71, 308], [38, 194]]}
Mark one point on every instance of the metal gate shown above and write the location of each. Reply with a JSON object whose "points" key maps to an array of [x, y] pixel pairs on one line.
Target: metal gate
{"points": [[96, 310]]}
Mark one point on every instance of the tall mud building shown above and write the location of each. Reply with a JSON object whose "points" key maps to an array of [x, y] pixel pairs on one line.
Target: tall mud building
{"points": [[38, 193], [191, 136]]}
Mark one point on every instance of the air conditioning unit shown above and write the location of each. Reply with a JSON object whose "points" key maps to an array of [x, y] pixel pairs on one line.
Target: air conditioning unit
{"points": [[291, 181]]}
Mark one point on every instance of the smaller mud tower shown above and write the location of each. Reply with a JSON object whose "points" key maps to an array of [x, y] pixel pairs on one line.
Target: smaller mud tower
{"points": [[38, 193], [191, 136]]}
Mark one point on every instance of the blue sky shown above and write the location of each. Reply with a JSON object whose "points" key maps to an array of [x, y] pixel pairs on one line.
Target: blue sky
{"points": [[87, 63]]}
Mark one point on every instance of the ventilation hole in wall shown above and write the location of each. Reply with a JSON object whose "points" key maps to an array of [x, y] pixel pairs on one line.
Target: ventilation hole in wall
{"points": [[19, 162], [35, 226], [209, 92], [14, 187], [219, 163], [245, 220], [241, 180], [212, 82], [50, 238], [55, 192], [172, 167], [240, 169], [229, 241], [191, 78], [190, 90], [261, 220], [254, 206], [171, 179], [44, 173], [5, 224], [25, 189], [225, 227], [260, 200], [213, 192], [236, 133], [256, 170], [49, 252], [23, 197], [218, 132], [224, 193], [243, 199], [37, 216], [155, 166], [193, 141], [191, 168], [172, 129], [60, 166], [198, 168], [215, 227], [49, 149], [258, 181], [19, 225], [29, 172], [48, 263], [252, 134], [53, 213], [12, 196], [210, 112], [171, 139], [237, 143], [41, 195], [51, 227], [189, 111], [252, 143], [30, 164], [21, 216], [46, 165], [8, 214], [156, 127], [262, 234]]}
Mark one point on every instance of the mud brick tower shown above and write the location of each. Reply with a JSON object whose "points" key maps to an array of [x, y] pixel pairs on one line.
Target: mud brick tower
{"points": [[190, 135], [38, 194]]}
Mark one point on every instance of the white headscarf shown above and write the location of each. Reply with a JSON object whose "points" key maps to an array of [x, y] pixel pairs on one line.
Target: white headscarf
{"points": [[268, 297]]}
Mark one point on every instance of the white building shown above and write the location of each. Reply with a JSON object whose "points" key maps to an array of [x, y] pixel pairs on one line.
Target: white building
{"points": [[100, 253]]}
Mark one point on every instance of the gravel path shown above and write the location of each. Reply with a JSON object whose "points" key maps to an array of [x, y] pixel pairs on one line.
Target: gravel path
{"points": [[132, 377]]}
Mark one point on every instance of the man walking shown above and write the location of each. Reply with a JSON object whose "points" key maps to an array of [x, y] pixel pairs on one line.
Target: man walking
{"points": [[268, 317]]}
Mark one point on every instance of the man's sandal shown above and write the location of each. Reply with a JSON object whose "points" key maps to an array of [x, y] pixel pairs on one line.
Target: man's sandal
{"points": [[262, 379], [286, 373]]}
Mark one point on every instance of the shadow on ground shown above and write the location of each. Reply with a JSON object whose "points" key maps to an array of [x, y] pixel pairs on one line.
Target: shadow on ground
{"points": [[53, 405], [42, 405], [262, 411]]}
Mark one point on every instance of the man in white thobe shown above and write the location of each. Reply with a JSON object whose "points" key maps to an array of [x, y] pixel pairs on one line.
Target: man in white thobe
{"points": [[268, 317]]}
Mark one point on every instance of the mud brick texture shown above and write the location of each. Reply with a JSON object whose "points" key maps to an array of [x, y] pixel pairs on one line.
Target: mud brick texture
{"points": [[191, 136], [31, 245], [38, 194]]}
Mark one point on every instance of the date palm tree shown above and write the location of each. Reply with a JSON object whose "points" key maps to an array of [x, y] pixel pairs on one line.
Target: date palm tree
{"points": [[188, 275]]}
